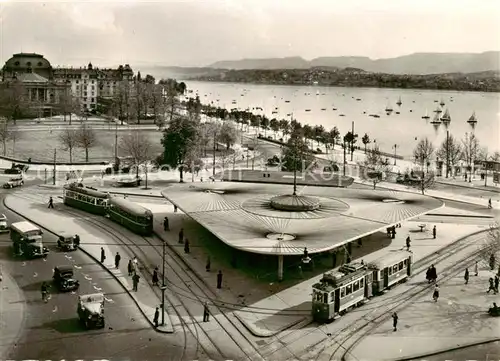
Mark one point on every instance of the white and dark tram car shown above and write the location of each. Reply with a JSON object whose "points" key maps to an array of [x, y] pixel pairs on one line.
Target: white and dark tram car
{"points": [[353, 283]]}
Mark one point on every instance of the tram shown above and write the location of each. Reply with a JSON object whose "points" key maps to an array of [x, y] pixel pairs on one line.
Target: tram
{"points": [[130, 215], [85, 198], [354, 283]]}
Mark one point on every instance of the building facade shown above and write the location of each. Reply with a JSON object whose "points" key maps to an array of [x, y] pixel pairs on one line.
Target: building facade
{"points": [[46, 85]]}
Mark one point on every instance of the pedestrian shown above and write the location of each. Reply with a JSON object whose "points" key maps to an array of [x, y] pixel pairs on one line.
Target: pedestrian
{"points": [[181, 235], [157, 316], [135, 281], [428, 275], [51, 203], [435, 295], [206, 313], [496, 283], [117, 260], [492, 286], [466, 276], [389, 232], [186, 246], [76, 240], [476, 270], [103, 255], [395, 321], [393, 232], [434, 232], [45, 292], [166, 226], [492, 261], [489, 203], [219, 279], [433, 273], [408, 243], [498, 272], [207, 266], [155, 277], [130, 267], [135, 264], [175, 208]]}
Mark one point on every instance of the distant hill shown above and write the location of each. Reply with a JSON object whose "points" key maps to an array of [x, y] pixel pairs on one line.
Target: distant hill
{"points": [[177, 72], [418, 63]]}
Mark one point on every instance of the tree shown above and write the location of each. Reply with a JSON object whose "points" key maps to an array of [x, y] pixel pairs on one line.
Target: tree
{"points": [[334, 137], [137, 145], [5, 134], [373, 168], [351, 139], [122, 99], [296, 155], [275, 125], [179, 138], [66, 104], [366, 140], [318, 133], [13, 100], [491, 244], [423, 152], [157, 104], [471, 149], [69, 139], [86, 138], [227, 135], [452, 152]]}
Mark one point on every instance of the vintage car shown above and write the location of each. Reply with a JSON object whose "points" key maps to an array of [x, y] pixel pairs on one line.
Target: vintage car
{"points": [[91, 310], [63, 279], [14, 182], [4, 227], [67, 242], [16, 169], [129, 182]]}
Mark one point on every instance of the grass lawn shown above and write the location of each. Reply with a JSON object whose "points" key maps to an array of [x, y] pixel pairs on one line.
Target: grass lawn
{"points": [[40, 145]]}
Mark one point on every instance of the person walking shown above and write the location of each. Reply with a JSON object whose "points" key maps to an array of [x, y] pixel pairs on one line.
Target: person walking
{"points": [[434, 231], [206, 313], [497, 280], [207, 266], [492, 261], [408, 243], [155, 277], [428, 275], [103, 255], [45, 292], [135, 281], [466, 276], [433, 273], [219, 279], [117, 260], [130, 267], [435, 295], [395, 321], [166, 226], [181, 235], [186, 246], [489, 203], [476, 269], [492, 286], [135, 263], [51, 203], [156, 318]]}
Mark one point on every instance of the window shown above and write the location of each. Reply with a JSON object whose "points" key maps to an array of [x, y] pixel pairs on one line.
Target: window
{"points": [[84, 99], [40, 63], [390, 270], [400, 265], [361, 283], [348, 290], [342, 292], [16, 63], [93, 87], [325, 298], [77, 81], [92, 100], [395, 268], [28, 63], [355, 286], [405, 263]]}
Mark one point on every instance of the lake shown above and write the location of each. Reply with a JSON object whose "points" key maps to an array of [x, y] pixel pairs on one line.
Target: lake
{"points": [[400, 129]]}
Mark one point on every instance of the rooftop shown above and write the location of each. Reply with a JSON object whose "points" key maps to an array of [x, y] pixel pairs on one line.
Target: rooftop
{"points": [[241, 214]]}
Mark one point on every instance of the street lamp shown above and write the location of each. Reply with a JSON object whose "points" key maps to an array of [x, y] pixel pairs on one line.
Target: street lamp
{"points": [[395, 146], [163, 286]]}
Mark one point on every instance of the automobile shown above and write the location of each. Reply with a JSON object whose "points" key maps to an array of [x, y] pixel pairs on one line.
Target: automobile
{"points": [[90, 310], [66, 242], [64, 280], [129, 182], [4, 227], [16, 169], [14, 182]]}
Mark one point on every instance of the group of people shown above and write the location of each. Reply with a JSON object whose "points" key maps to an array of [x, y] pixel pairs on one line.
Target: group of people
{"points": [[431, 274]]}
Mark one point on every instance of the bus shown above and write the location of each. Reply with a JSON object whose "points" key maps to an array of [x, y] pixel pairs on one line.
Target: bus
{"points": [[27, 240]]}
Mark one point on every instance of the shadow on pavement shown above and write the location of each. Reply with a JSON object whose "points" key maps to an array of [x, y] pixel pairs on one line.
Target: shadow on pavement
{"points": [[275, 321], [69, 325], [37, 286]]}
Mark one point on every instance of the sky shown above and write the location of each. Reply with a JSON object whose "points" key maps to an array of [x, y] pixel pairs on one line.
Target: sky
{"points": [[198, 33]]}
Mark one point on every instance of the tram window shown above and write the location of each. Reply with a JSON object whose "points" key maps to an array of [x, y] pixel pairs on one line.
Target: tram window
{"points": [[355, 286], [375, 275], [390, 271], [348, 289], [361, 281], [400, 265], [395, 268], [405, 263], [318, 297], [325, 297], [342, 292]]}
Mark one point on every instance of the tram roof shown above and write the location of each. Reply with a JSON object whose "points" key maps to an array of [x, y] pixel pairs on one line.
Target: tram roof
{"points": [[87, 191], [129, 206], [390, 259]]}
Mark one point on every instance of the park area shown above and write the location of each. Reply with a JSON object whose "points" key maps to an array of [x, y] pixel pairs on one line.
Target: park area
{"points": [[39, 145]]}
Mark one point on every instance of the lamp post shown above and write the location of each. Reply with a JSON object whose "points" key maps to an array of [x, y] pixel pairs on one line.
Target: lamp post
{"points": [[395, 146], [116, 142], [55, 155], [163, 286]]}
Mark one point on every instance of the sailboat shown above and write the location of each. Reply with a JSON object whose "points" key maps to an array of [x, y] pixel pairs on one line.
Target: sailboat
{"points": [[446, 116], [441, 102], [426, 116], [399, 102], [472, 120], [388, 108], [438, 110], [436, 120]]}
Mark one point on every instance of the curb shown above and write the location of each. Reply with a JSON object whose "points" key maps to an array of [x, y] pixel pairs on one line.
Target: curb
{"points": [[102, 266], [50, 186], [459, 215], [480, 187], [456, 348], [304, 321]]}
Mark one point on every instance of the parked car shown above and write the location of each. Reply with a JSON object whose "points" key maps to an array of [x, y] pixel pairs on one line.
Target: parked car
{"points": [[4, 226], [64, 279], [14, 182]]}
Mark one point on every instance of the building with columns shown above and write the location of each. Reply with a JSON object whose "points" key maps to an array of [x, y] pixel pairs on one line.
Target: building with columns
{"points": [[45, 86]]}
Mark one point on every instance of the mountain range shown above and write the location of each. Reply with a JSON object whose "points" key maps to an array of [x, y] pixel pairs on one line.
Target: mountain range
{"points": [[415, 64]]}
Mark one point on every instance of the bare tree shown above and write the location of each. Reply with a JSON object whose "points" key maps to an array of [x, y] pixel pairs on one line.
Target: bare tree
{"points": [[423, 152], [86, 138], [122, 100], [491, 244], [157, 104], [471, 149], [69, 139], [138, 146], [451, 151], [66, 104], [13, 100], [5, 134], [373, 168]]}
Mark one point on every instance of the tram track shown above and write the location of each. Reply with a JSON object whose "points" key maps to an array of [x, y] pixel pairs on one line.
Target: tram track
{"points": [[119, 234], [419, 268]]}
